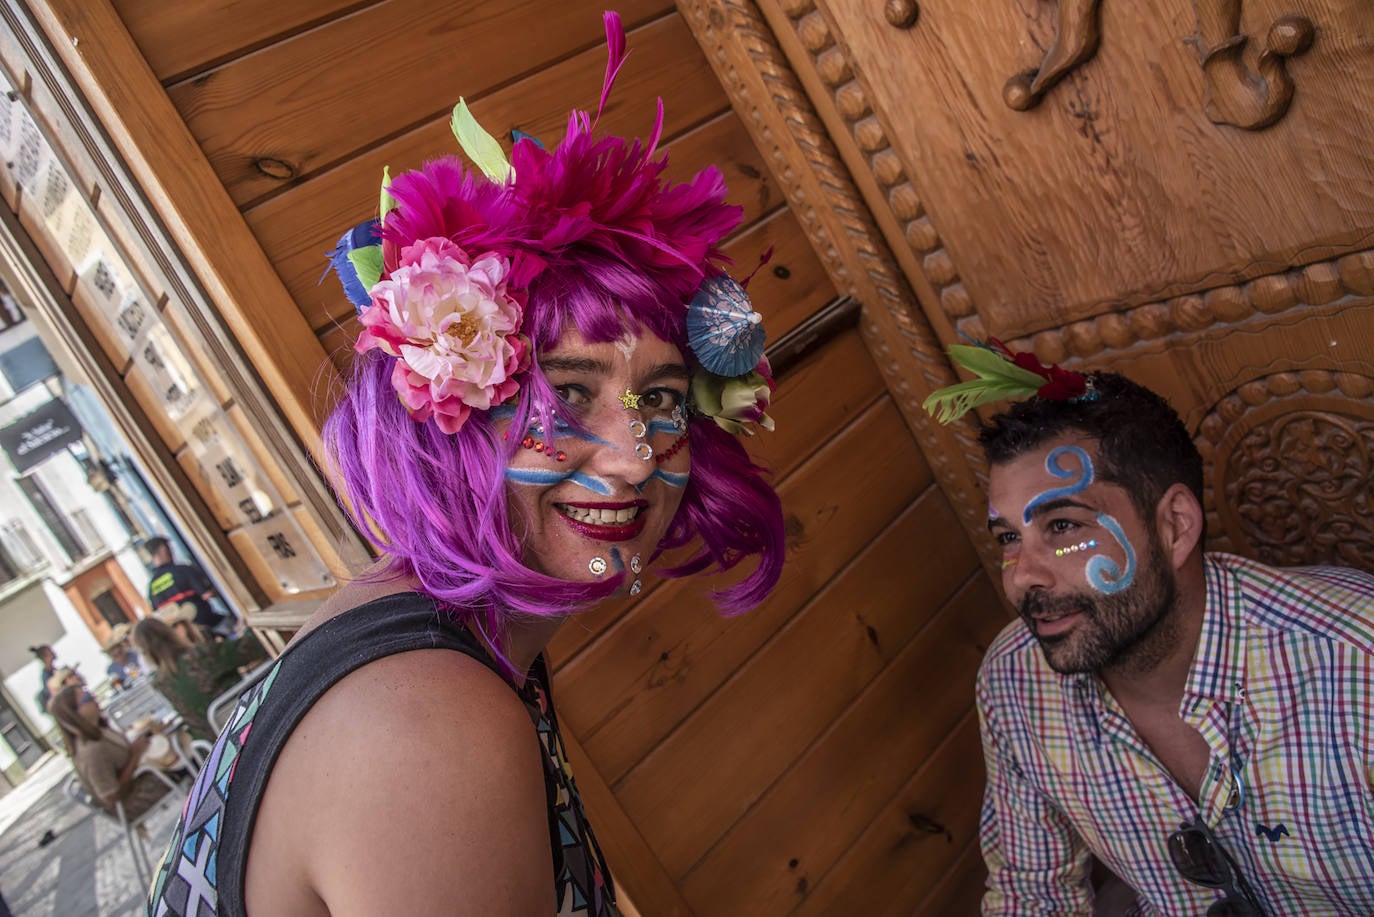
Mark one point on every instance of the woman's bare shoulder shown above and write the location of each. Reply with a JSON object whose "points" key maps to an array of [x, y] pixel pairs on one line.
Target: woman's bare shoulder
{"points": [[412, 784]]}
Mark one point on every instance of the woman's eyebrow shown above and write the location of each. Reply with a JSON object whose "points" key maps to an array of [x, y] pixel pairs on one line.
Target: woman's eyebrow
{"points": [[572, 364], [662, 371]]}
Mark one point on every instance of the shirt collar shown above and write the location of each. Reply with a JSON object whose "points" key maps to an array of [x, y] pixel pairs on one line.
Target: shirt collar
{"points": [[1218, 670]]}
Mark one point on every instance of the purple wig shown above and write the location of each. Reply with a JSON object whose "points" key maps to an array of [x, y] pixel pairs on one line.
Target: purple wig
{"points": [[436, 503], [596, 242]]}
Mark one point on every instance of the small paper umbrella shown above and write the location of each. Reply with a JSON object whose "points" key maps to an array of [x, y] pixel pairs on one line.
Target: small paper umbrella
{"points": [[724, 331]]}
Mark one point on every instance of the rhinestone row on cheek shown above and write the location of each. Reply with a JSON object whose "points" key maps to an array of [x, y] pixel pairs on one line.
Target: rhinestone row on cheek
{"points": [[1081, 546]]}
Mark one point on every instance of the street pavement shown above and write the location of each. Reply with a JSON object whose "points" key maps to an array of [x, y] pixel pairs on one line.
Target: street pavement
{"points": [[86, 870]]}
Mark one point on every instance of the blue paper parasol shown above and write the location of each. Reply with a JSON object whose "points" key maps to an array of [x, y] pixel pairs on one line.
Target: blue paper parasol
{"points": [[724, 331]]}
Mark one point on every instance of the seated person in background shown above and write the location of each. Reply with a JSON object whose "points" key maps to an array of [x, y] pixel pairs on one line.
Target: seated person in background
{"points": [[64, 676], [171, 584], [1201, 723], [125, 663], [104, 760], [190, 675]]}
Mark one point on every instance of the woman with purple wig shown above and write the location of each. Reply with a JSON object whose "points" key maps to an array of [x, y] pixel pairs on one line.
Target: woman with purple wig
{"points": [[551, 373]]}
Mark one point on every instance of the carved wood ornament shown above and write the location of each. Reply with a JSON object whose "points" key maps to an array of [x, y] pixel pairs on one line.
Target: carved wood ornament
{"points": [[1075, 41], [1292, 457], [1236, 95], [774, 106]]}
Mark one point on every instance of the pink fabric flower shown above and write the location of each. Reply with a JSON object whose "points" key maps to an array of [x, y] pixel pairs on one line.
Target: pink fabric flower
{"points": [[455, 328]]}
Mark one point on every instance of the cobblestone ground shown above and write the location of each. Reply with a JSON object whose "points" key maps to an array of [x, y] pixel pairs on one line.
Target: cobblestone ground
{"points": [[86, 870]]}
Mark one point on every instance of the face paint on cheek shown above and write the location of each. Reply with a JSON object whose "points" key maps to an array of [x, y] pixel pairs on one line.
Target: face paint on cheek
{"points": [[659, 425], [1103, 573], [561, 428], [1081, 483], [537, 477], [670, 478]]}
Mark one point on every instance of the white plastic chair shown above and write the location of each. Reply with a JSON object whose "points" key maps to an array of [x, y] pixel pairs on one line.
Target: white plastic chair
{"points": [[133, 833], [222, 707]]}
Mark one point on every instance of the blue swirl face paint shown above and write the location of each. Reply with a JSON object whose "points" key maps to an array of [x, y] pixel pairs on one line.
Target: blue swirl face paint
{"points": [[1083, 481], [540, 477], [1103, 573], [672, 479]]}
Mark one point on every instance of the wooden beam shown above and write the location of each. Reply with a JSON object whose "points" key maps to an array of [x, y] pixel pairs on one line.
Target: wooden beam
{"points": [[185, 193]]}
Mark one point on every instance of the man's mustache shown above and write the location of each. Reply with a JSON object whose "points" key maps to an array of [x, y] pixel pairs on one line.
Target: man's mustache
{"points": [[1037, 604]]}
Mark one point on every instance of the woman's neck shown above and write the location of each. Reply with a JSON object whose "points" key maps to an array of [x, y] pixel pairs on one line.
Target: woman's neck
{"points": [[522, 640]]}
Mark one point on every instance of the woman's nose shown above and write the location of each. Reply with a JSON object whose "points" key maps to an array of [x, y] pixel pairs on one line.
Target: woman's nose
{"points": [[624, 450]]}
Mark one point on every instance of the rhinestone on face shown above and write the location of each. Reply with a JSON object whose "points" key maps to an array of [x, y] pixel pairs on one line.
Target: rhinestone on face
{"points": [[635, 564], [597, 565], [636, 587], [637, 429], [644, 451]]}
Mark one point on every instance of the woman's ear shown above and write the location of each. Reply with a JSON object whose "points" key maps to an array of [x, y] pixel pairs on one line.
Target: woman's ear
{"points": [[1179, 523]]}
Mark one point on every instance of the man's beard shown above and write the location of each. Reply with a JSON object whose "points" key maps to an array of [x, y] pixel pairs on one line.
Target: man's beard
{"points": [[1130, 631]]}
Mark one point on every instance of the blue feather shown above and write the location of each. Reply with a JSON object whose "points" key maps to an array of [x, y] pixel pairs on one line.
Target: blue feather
{"points": [[360, 236]]}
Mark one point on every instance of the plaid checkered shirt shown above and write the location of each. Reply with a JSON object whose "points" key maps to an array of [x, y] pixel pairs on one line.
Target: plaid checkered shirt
{"points": [[1281, 688]]}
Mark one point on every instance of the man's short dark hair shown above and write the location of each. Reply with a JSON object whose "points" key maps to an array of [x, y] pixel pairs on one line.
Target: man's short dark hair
{"points": [[156, 543], [1142, 444]]}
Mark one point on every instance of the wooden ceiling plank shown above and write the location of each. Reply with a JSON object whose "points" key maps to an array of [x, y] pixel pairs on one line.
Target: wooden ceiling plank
{"points": [[187, 36], [300, 224], [286, 111]]}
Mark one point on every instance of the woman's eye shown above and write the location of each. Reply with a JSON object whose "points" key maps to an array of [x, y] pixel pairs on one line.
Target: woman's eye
{"points": [[573, 394], [661, 399]]}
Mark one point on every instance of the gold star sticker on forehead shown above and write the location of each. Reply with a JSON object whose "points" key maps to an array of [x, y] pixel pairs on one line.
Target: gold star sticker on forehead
{"points": [[630, 400]]}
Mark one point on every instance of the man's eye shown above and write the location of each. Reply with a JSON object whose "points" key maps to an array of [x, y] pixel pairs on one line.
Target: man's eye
{"points": [[1062, 526], [1006, 539], [572, 394], [661, 399]]}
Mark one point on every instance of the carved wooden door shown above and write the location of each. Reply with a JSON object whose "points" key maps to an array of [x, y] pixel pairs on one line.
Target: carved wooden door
{"points": [[1179, 191]]}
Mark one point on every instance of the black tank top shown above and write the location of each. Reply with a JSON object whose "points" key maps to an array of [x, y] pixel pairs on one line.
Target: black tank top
{"points": [[203, 870]]}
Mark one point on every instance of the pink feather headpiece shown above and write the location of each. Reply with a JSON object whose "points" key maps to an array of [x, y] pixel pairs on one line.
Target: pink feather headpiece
{"points": [[447, 280]]}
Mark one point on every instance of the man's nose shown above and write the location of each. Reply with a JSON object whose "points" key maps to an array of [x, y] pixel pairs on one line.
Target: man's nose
{"points": [[1033, 569]]}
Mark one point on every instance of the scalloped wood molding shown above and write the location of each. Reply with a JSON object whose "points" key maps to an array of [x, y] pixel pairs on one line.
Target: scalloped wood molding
{"points": [[774, 105]]}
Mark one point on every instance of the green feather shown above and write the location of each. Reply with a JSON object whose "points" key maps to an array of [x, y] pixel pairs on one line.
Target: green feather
{"points": [[479, 146], [388, 203], [367, 261], [998, 379]]}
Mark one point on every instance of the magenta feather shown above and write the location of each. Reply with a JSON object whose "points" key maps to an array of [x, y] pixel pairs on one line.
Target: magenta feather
{"points": [[615, 55]]}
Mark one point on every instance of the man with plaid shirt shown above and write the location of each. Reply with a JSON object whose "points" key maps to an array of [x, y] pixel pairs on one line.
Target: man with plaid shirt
{"points": [[1201, 724]]}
